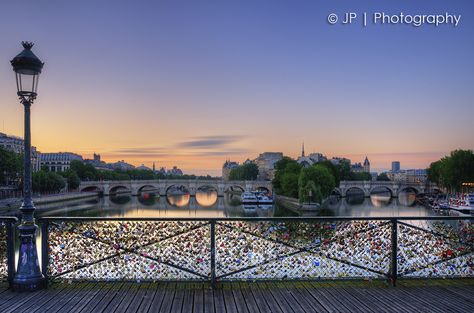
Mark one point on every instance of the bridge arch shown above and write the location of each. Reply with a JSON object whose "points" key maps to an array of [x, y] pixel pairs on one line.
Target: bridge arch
{"points": [[354, 191], [234, 187], [183, 187], [114, 189], [91, 189], [263, 188], [148, 186], [381, 189], [206, 187], [409, 188]]}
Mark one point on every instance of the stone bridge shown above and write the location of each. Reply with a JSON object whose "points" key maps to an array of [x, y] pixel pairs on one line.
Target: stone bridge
{"points": [[162, 186], [371, 187]]}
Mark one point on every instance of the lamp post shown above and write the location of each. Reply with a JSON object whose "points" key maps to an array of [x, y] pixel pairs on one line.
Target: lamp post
{"points": [[27, 68]]}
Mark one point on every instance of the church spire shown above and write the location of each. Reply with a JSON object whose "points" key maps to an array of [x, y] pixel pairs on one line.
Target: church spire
{"points": [[302, 150]]}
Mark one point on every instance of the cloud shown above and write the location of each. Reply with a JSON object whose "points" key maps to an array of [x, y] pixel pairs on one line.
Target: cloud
{"points": [[209, 142], [148, 150]]}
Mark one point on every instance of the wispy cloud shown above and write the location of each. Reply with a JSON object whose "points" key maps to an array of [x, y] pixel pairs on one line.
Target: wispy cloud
{"points": [[209, 142]]}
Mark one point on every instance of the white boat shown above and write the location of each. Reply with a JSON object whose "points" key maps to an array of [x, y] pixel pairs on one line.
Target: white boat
{"points": [[264, 199], [463, 203], [248, 198]]}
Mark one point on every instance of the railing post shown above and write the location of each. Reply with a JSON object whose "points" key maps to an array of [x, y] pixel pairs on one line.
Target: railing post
{"points": [[213, 254], [44, 250], [393, 274], [10, 251]]}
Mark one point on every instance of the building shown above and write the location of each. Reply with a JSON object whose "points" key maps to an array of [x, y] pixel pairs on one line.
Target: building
{"points": [[98, 163], [227, 167], [361, 168], [122, 166], [409, 176], [17, 145], [313, 158], [266, 164], [143, 168], [58, 162], [395, 166], [338, 161], [175, 171]]}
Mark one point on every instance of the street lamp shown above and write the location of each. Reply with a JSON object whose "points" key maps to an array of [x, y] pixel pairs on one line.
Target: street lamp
{"points": [[27, 68]]}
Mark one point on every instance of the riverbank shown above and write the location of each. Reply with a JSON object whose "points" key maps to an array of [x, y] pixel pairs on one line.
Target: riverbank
{"points": [[13, 203], [294, 204]]}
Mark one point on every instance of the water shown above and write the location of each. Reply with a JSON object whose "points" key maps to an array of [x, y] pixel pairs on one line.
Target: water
{"points": [[208, 204]]}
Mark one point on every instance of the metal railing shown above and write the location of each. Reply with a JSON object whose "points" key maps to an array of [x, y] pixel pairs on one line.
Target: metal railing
{"points": [[229, 249], [7, 248]]}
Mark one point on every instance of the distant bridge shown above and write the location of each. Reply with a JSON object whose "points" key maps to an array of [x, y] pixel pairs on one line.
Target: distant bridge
{"points": [[371, 187], [162, 186]]}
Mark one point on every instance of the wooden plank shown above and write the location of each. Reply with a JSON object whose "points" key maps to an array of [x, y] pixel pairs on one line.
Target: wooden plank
{"points": [[170, 289], [16, 304], [219, 302], [348, 299], [138, 297], [198, 298], [239, 299], [248, 297], [20, 298], [93, 299], [444, 302], [308, 302], [77, 298], [65, 291], [230, 305], [110, 297], [323, 295], [369, 300], [188, 300], [268, 297], [178, 299], [280, 299], [35, 303], [208, 300], [462, 292], [396, 299], [113, 301], [320, 294], [260, 301], [149, 294]]}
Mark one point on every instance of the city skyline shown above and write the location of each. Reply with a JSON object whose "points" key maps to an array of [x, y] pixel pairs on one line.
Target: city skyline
{"points": [[198, 84]]}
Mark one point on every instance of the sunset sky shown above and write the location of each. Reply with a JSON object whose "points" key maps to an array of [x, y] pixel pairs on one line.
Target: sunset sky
{"points": [[193, 83]]}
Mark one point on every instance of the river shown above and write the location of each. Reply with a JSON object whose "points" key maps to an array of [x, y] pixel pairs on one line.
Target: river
{"points": [[208, 204]]}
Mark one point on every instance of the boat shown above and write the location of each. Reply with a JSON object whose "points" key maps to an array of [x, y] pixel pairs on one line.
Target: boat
{"points": [[463, 203], [254, 197], [248, 198], [264, 199]]}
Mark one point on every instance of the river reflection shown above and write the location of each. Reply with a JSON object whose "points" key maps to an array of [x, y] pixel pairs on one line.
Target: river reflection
{"points": [[208, 204]]}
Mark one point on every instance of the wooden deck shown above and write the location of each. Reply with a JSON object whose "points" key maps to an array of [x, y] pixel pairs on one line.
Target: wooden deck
{"points": [[340, 296]]}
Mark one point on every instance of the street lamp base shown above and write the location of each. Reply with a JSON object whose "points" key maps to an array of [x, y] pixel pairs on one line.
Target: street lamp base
{"points": [[28, 283]]}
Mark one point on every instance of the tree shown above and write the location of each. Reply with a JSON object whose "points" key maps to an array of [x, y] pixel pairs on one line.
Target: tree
{"points": [[11, 165], [359, 176], [322, 178], [47, 182], [283, 168], [73, 180], [247, 171], [84, 171], [453, 170], [333, 169], [383, 177], [289, 184]]}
